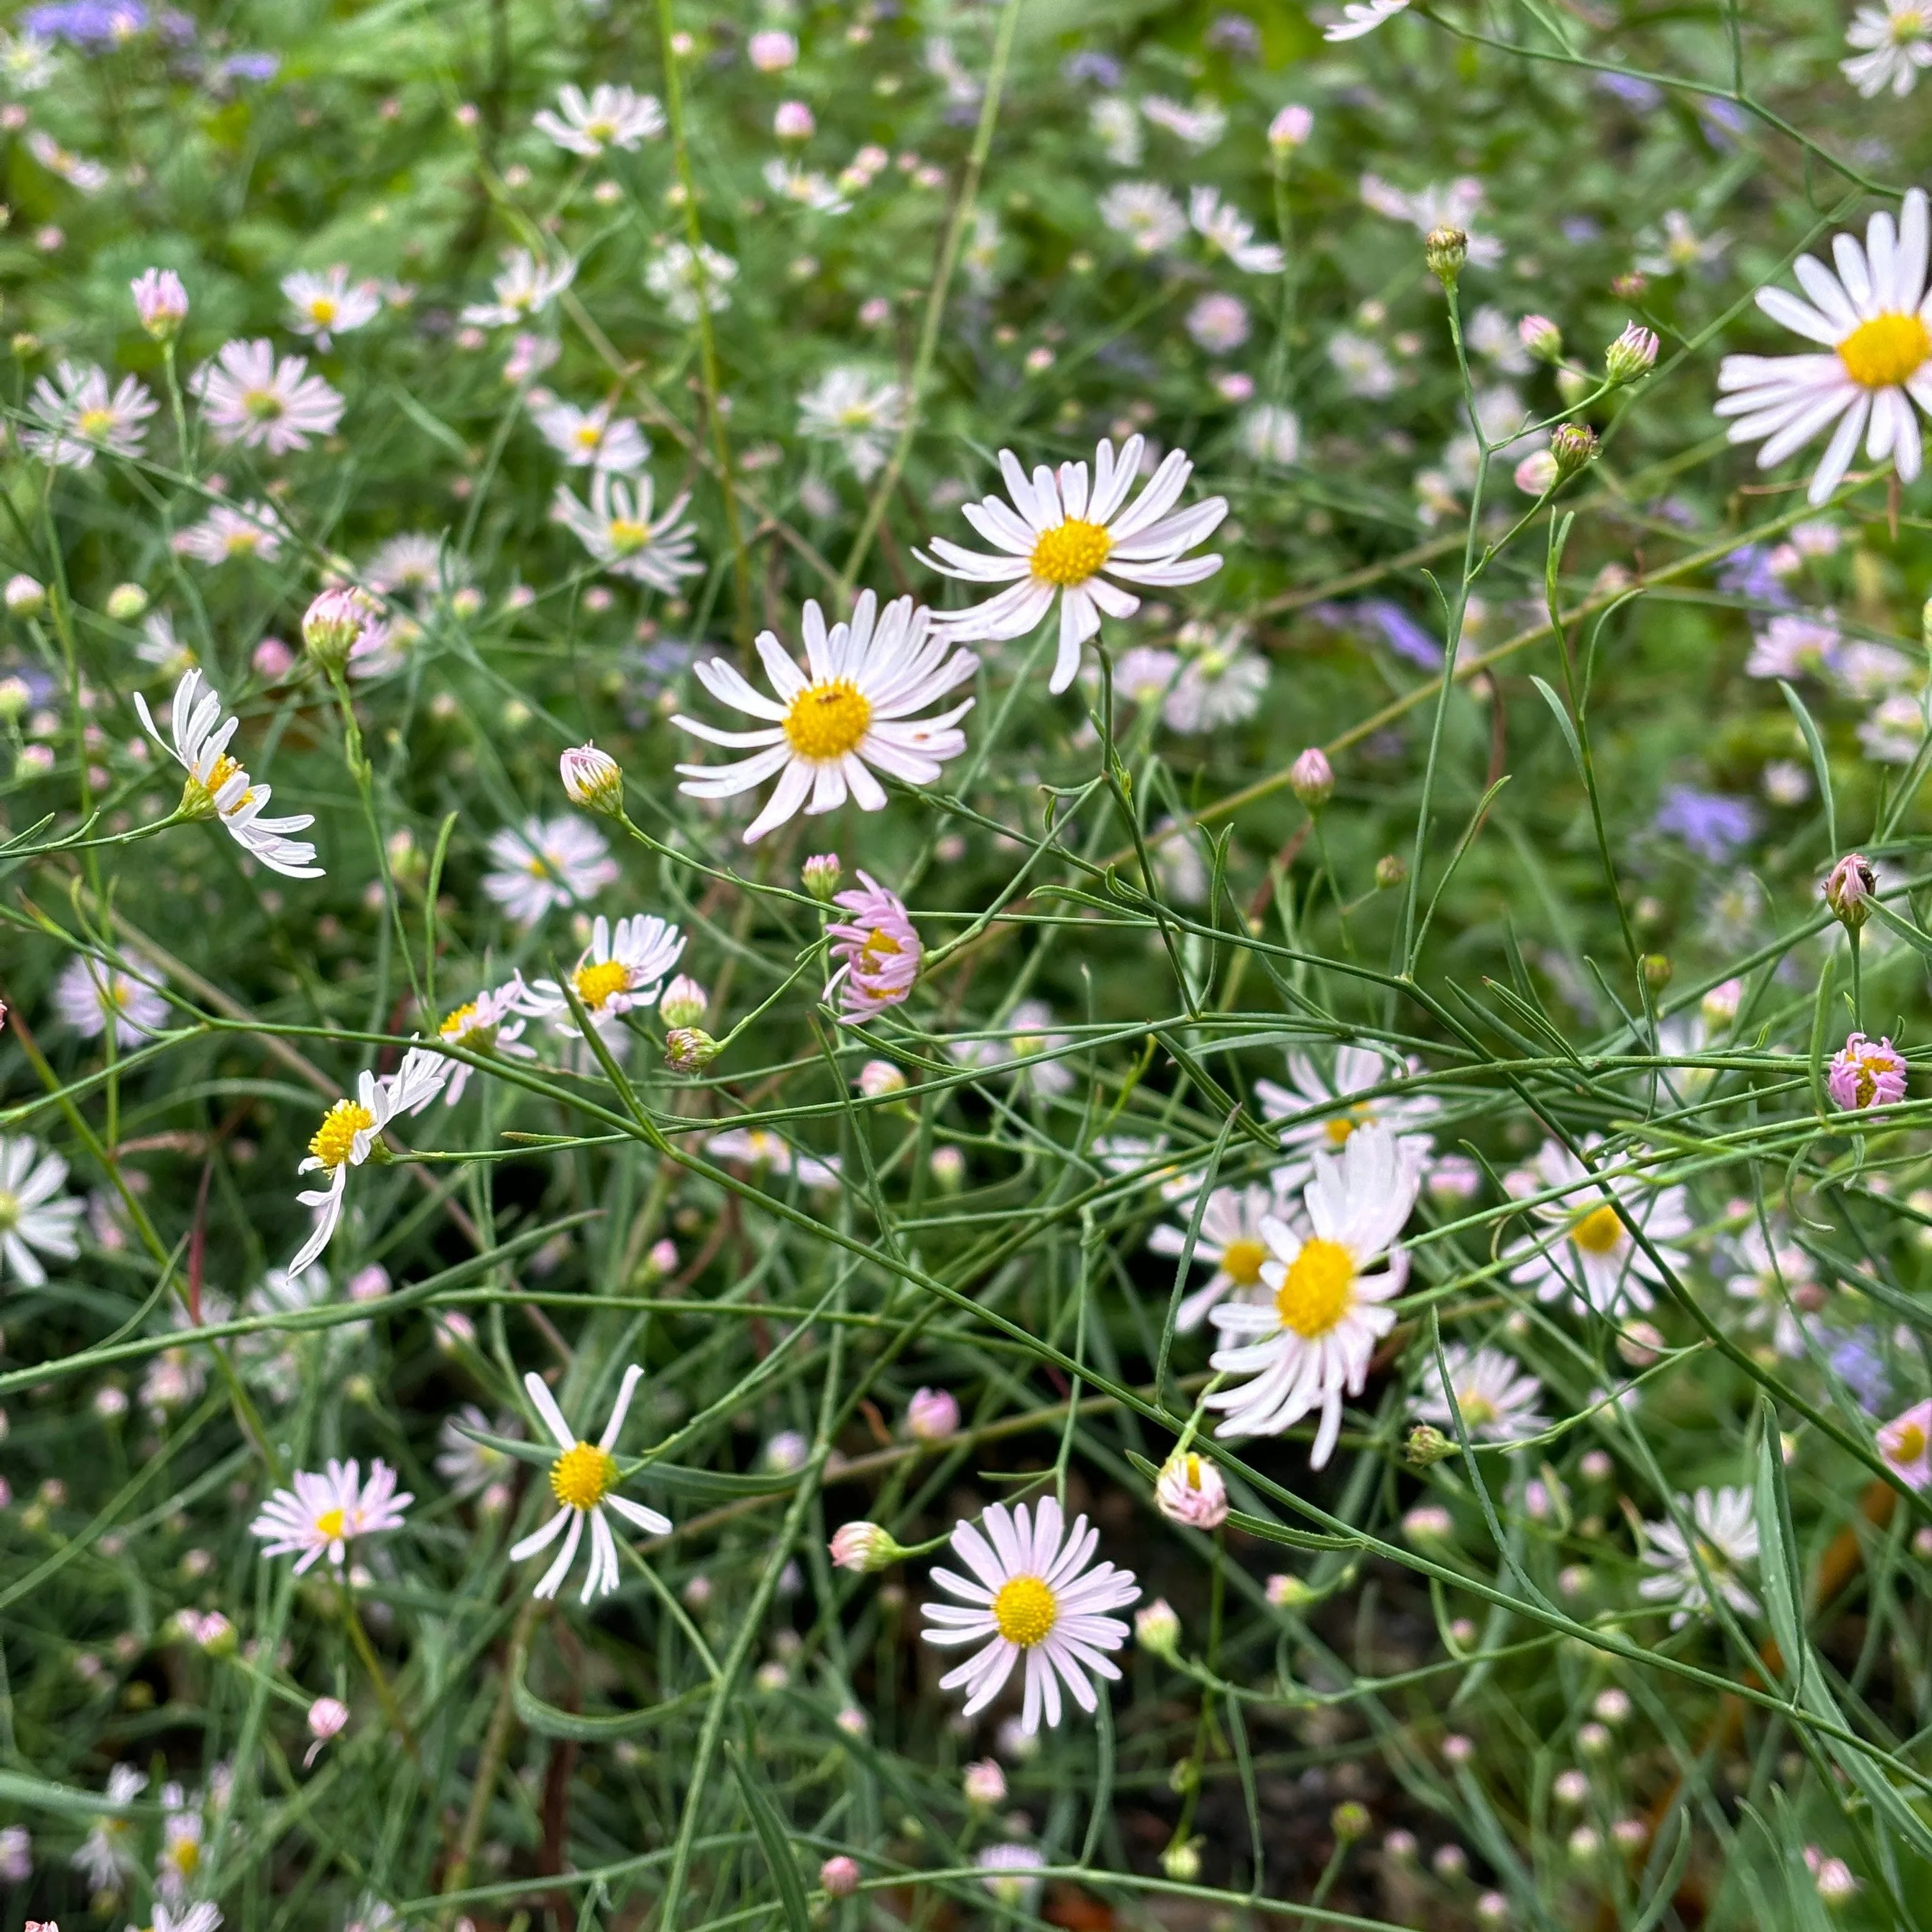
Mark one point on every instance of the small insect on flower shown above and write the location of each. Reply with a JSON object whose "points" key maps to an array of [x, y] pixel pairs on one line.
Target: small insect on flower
{"points": [[1866, 1073], [219, 787], [878, 950], [1723, 1540], [327, 1510], [351, 1133], [329, 304], [583, 1478], [1059, 540], [617, 528], [77, 418], [1308, 1343], [1229, 1240], [620, 969], [613, 117], [1871, 318], [1583, 1246], [88, 993], [852, 713], [1030, 1595], [547, 863], [249, 398], [524, 288]]}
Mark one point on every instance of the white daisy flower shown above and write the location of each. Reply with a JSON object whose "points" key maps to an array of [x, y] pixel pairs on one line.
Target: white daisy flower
{"points": [[1454, 204], [171, 656], [827, 730], [1582, 1247], [328, 305], [1890, 734], [1873, 317], [545, 862], [1009, 1873], [1028, 1030], [806, 186], [1357, 1069], [1896, 41], [467, 1465], [593, 439], [1675, 248], [681, 279], [583, 1479], [327, 1510], [1771, 1283], [1363, 367], [351, 1133], [1199, 127], [862, 416], [202, 1918], [492, 1022], [1308, 1342], [249, 397], [224, 534], [1063, 538], [618, 971], [765, 1153], [105, 1856], [79, 418], [219, 787], [1030, 1595], [1221, 684], [1228, 232], [77, 170], [1130, 1153], [88, 993], [423, 566], [1230, 1241], [1362, 16], [1497, 1399], [182, 1828], [1116, 123], [524, 288], [613, 117], [26, 62], [1144, 215], [1725, 1524], [617, 529]]}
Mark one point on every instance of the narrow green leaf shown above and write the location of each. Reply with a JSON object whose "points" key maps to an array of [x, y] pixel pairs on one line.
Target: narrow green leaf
{"points": [[771, 1830], [1821, 766]]}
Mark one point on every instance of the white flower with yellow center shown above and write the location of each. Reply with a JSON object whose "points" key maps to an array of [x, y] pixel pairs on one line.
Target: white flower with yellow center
{"points": [[1031, 1595], [1313, 1122], [351, 1133], [1059, 539], [612, 117], [1582, 1245], [106, 1855], [1497, 1399], [30, 1218], [179, 1864], [218, 787], [620, 968], [328, 305], [1230, 1241], [1896, 38], [546, 862], [862, 415], [79, 417], [327, 1510], [89, 995], [618, 529], [583, 1479], [593, 439], [1724, 1538], [492, 1022], [525, 288], [1306, 1343], [764, 1153], [1874, 318], [850, 710]]}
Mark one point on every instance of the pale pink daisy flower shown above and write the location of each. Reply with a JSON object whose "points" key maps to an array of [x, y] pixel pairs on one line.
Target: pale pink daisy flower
{"points": [[1905, 1444], [326, 1510], [617, 528], [593, 439], [1230, 1241], [329, 304], [492, 1022], [547, 863], [620, 969], [226, 533], [526, 287], [78, 418], [612, 117], [1866, 1073], [1583, 1246], [878, 950], [247, 396]]}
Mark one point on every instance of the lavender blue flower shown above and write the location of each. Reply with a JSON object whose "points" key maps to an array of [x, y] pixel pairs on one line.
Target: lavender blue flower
{"points": [[1713, 826]]}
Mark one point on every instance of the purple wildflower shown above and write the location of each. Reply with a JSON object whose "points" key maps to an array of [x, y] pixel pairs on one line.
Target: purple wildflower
{"points": [[1713, 826], [1866, 1073], [1747, 572], [1102, 69], [1858, 1365], [879, 950]]}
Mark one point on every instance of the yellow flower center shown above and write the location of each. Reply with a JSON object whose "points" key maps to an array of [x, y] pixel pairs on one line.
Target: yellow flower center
{"points": [[10, 1210], [1881, 353], [456, 1025], [321, 309], [627, 534], [1025, 1609], [185, 1855], [243, 543], [580, 1478], [1241, 1261], [1907, 25], [1908, 1445], [1338, 1129], [1317, 1289], [1478, 1412], [1598, 1231], [95, 423], [589, 435], [826, 720], [335, 1139], [879, 946], [596, 984], [1071, 552], [197, 799], [330, 1523], [600, 129], [264, 405]]}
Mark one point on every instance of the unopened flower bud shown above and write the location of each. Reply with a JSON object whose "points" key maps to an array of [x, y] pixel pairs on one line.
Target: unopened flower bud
{"points": [[327, 1718], [333, 624], [160, 302], [1574, 445], [1391, 868], [1445, 250], [1190, 1491], [793, 121], [1427, 1444], [24, 597], [1630, 286], [1290, 129], [985, 1782], [1157, 1629], [125, 602], [1540, 338], [1632, 355], [592, 779], [1835, 1881], [1312, 778], [948, 1169], [864, 1546], [1182, 1863], [1288, 1593], [932, 1415], [689, 1049], [820, 873], [1349, 1821], [879, 1078], [1719, 1006], [15, 700], [216, 1635], [1849, 887], [1657, 970], [839, 1877], [683, 1002]]}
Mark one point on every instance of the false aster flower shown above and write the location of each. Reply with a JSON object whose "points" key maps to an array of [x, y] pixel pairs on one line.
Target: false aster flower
{"points": [[617, 529], [618, 969], [1028, 1032], [1144, 216], [1724, 1538], [1866, 1073], [492, 1022], [612, 117], [1905, 1442], [546, 862], [1583, 1246], [88, 993], [225, 534], [1362, 16], [1314, 1120], [326, 1510], [1496, 1399], [328, 305], [76, 417], [524, 288], [594, 438], [249, 398], [1895, 42], [1228, 232], [860, 415], [1230, 1241], [33, 1222], [878, 949]]}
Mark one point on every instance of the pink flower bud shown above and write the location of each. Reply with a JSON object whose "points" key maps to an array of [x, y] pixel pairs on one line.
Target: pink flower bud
{"points": [[327, 1718], [793, 121], [1191, 1491], [160, 302], [772, 51], [1290, 129], [985, 1782], [932, 1416], [839, 1877], [1312, 778], [592, 779]]}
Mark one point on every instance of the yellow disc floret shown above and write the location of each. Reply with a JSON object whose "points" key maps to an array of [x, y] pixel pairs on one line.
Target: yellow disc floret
{"points": [[1070, 552], [1025, 1610], [1598, 1231], [1317, 1289], [1881, 353], [335, 1139], [826, 720], [1338, 1129], [331, 1523], [456, 1024], [1241, 1261], [10, 1210], [596, 983], [1907, 1444], [581, 1477]]}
